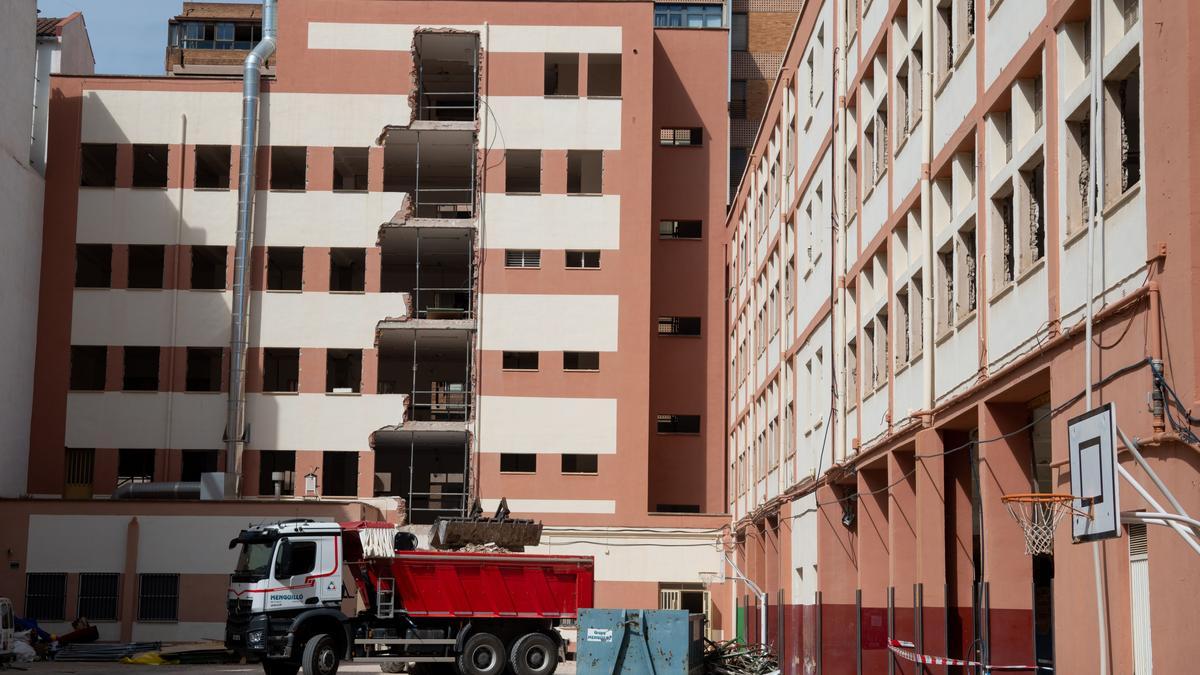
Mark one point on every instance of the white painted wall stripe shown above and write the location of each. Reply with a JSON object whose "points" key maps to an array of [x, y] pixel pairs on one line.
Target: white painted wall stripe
{"points": [[548, 322], [553, 221], [399, 37], [535, 424], [526, 122], [555, 506]]}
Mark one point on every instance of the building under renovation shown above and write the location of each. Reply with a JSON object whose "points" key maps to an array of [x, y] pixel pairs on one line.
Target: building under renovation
{"points": [[465, 252]]}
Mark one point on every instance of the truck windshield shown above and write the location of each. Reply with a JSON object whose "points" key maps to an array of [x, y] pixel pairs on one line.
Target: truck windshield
{"points": [[254, 562]]}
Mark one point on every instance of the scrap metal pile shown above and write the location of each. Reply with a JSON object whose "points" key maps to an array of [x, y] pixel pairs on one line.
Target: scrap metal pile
{"points": [[737, 658]]}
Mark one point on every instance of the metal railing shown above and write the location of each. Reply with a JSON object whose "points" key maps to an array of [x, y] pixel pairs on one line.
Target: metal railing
{"points": [[449, 106], [440, 406], [442, 303], [443, 202]]}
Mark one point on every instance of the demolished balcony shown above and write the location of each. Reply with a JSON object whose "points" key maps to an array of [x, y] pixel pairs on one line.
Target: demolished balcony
{"points": [[435, 167]]}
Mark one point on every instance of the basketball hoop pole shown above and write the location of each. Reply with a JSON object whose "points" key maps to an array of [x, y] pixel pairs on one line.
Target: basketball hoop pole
{"points": [[762, 598], [1182, 531]]}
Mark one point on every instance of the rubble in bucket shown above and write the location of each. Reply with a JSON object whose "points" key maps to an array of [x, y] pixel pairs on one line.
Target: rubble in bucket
{"points": [[501, 531]]}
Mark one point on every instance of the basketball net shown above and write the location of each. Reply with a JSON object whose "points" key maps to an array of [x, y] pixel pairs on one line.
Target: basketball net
{"points": [[1038, 515]]}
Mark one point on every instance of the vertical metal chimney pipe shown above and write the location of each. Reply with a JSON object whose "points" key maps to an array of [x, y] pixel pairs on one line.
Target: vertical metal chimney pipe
{"points": [[235, 421]]}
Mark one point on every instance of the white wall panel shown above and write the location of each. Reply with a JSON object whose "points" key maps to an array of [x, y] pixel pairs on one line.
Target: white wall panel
{"points": [[1016, 318], [529, 122], [554, 506], [191, 544], [399, 37], [553, 221], [955, 100], [76, 543], [651, 556], [548, 322], [957, 360], [536, 424], [1008, 28]]}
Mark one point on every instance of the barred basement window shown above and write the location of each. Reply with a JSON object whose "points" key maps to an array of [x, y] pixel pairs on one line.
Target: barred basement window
{"points": [[679, 229], [579, 463], [46, 596], [520, 361], [522, 258], [80, 468], [98, 596], [518, 462], [583, 259], [678, 424], [679, 325], [158, 597], [681, 136]]}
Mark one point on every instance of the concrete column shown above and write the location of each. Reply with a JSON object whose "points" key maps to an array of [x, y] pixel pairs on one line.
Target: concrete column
{"points": [[366, 474], [316, 269], [837, 577], [929, 483], [114, 368], [320, 169], [104, 471], [124, 165], [251, 463], [902, 542], [129, 581], [262, 168], [873, 563], [312, 370], [370, 371], [120, 267], [373, 269], [375, 156], [308, 461], [258, 268], [177, 161], [554, 172]]}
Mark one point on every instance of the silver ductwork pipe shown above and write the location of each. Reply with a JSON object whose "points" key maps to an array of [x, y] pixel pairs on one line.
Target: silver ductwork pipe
{"points": [[161, 490], [235, 422]]}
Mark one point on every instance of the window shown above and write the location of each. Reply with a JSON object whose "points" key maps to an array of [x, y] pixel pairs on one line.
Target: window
{"points": [[514, 462], [339, 474], [212, 167], [289, 167], [77, 481], [579, 463], [347, 269], [583, 259], [522, 258], [149, 166], [301, 558], [520, 361], [281, 369], [523, 171], [852, 372], [881, 348], [1005, 253], [679, 229], [1122, 135], [350, 169], [966, 270], [98, 165], [276, 469], [678, 424], [135, 465], [737, 100], [739, 31], [581, 360], [208, 267], [681, 136], [562, 74], [343, 371], [196, 463], [225, 34], [203, 369], [285, 268], [677, 508], [145, 266], [946, 278], [585, 171], [93, 265], [1033, 216], [158, 597], [679, 325], [604, 75], [99, 595], [141, 369], [46, 596], [687, 16], [904, 327], [88, 367], [1079, 160]]}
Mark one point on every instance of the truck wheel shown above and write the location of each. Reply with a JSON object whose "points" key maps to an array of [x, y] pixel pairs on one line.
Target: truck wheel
{"points": [[483, 654], [279, 668], [534, 654], [321, 655]]}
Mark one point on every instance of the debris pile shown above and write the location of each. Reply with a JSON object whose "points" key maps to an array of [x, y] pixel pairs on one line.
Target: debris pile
{"points": [[490, 547], [736, 658], [103, 652]]}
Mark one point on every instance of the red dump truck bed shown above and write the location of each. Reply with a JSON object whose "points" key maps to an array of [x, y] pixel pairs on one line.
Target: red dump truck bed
{"points": [[452, 584]]}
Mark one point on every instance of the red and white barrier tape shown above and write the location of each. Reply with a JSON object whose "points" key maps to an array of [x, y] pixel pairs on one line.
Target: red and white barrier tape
{"points": [[901, 648]]}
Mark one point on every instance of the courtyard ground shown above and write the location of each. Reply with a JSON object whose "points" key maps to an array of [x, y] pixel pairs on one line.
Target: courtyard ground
{"points": [[49, 667]]}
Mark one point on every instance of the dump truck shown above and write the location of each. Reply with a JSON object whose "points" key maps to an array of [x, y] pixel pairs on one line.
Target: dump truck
{"points": [[453, 611]]}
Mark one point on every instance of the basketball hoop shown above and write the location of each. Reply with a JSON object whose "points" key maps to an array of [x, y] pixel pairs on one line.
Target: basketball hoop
{"points": [[709, 578], [1038, 514]]}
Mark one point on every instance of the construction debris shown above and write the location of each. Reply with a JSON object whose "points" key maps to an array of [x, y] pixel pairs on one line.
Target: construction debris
{"points": [[733, 657], [104, 653], [490, 547], [511, 534]]}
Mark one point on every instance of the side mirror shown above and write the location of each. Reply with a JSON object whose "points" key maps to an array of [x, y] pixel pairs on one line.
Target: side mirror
{"points": [[283, 560]]}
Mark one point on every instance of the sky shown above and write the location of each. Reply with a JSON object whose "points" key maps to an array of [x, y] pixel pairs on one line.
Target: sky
{"points": [[129, 37]]}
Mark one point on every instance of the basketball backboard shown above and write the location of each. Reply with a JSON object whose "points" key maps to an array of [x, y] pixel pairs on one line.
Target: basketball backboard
{"points": [[1093, 454]]}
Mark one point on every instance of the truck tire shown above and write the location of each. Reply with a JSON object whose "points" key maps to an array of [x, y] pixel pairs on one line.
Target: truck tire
{"points": [[279, 668], [483, 654], [321, 655], [534, 654]]}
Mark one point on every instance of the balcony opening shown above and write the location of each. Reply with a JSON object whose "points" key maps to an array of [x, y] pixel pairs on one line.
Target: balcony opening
{"points": [[432, 366], [350, 169], [276, 472], [518, 462], [679, 325], [289, 167], [679, 229], [347, 270], [343, 371], [523, 171], [98, 165], [428, 469], [678, 424], [435, 168], [579, 463], [447, 67], [585, 172], [339, 474], [141, 369], [135, 466], [196, 463], [213, 167], [520, 361], [604, 75], [281, 369], [581, 360], [146, 264], [562, 74], [434, 266], [93, 265], [203, 369], [208, 267], [149, 166], [285, 268], [89, 365]]}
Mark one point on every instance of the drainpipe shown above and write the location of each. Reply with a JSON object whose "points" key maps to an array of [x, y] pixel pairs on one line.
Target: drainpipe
{"points": [[235, 422], [838, 264], [927, 323]]}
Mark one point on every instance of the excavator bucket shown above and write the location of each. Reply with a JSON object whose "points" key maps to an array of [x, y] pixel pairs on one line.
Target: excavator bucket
{"points": [[477, 530]]}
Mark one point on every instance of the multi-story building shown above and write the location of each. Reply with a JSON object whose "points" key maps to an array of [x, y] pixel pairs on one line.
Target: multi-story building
{"points": [[213, 38], [484, 266], [908, 264]]}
